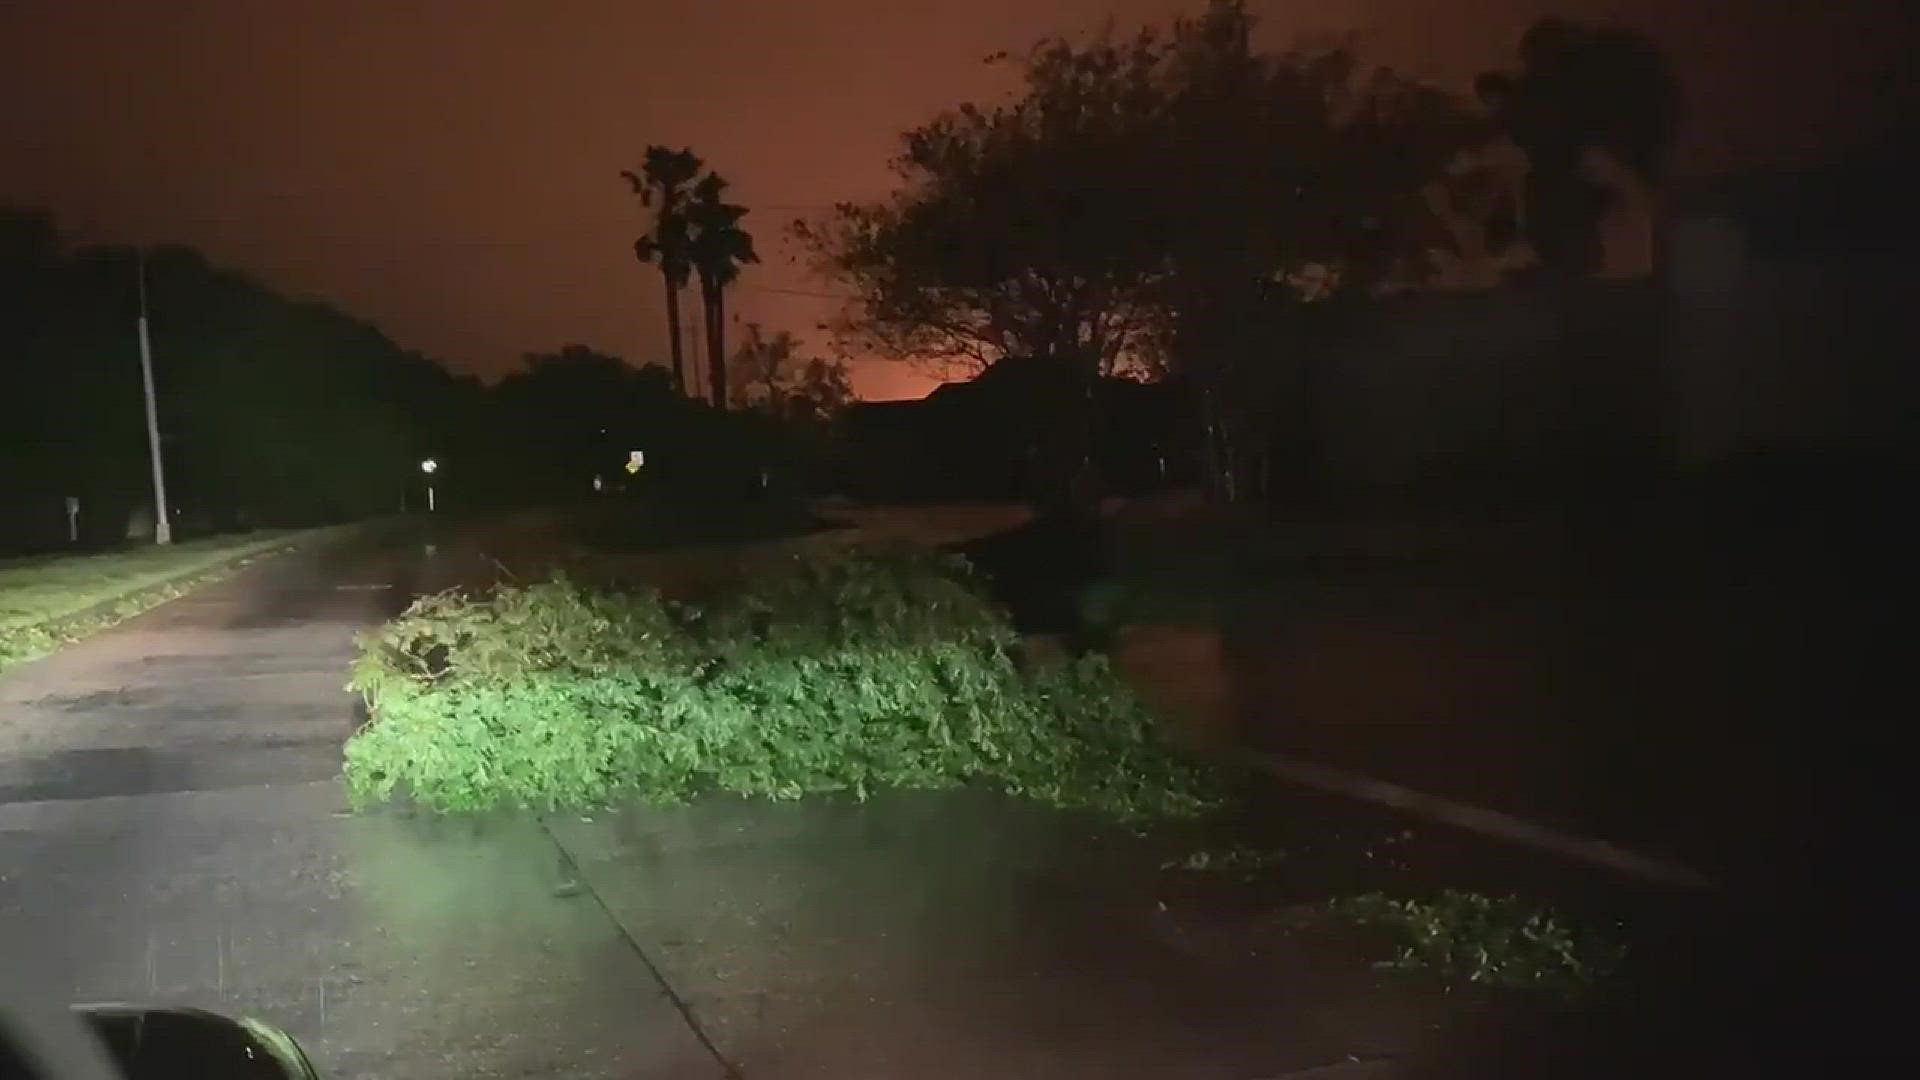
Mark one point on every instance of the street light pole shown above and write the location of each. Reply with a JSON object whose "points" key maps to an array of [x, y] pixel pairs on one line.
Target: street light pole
{"points": [[428, 466], [162, 526]]}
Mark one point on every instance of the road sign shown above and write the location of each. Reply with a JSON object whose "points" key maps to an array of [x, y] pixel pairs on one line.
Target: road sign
{"points": [[635, 459]]}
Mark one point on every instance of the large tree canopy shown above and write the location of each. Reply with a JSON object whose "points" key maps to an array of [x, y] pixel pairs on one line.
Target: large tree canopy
{"points": [[1148, 202], [1046, 227], [1581, 90], [1005, 237], [1292, 178]]}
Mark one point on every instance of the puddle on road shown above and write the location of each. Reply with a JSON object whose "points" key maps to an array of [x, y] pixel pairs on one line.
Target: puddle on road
{"points": [[118, 698], [106, 772]]}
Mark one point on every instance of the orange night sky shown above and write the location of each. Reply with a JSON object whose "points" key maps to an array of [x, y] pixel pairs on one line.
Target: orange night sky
{"points": [[449, 168]]}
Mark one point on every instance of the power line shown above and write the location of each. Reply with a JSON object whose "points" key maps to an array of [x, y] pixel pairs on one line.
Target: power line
{"points": [[798, 292]]}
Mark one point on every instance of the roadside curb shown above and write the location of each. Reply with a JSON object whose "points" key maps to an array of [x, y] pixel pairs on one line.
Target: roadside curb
{"points": [[1491, 823]]}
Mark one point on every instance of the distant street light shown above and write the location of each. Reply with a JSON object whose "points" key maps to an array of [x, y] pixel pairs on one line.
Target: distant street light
{"points": [[429, 466]]}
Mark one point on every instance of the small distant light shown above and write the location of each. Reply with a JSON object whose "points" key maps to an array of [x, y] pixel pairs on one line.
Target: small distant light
{"points": [[428, 466]]}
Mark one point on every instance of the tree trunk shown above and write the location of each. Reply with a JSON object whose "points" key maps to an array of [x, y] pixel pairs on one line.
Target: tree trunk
{"points": [[1204, 418], [673, 337], [1233, 362], [1071, 484], [1086, 481], [1213, 417], [717, 345], [695, 344]]}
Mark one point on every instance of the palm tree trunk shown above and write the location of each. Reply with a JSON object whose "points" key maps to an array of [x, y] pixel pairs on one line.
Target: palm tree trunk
{"points": [[717, 345], [673, 336]]}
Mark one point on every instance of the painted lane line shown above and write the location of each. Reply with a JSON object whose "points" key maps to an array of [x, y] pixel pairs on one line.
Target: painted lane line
{"points": [[1477, 819]]}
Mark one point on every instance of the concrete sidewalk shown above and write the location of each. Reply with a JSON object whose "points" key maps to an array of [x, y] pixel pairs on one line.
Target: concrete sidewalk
{"points": [[170, 828]]}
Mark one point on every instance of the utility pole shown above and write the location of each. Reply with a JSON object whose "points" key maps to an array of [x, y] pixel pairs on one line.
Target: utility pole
{"points": [[162, 526]]}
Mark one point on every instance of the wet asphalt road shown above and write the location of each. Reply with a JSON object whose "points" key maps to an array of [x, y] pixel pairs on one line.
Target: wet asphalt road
{"points": [[172, 829]]}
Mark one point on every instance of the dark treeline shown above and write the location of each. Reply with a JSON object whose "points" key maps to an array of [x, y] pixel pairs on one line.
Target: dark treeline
{"points": [[567, 417], [277, 411], [273, 411]]}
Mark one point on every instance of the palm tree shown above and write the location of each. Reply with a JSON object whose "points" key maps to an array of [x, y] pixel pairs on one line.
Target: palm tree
{"points": [[661, 184], [718, 248]]}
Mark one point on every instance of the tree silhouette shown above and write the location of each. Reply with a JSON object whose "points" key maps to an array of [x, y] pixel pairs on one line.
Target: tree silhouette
{"points": [[577, 412], [1153, 198], [761, 366], [1300, 180], [1015, 232], [770, 373], [820, 392], [661, 184], [1581, 90], [718, 247], [1020, 231]]}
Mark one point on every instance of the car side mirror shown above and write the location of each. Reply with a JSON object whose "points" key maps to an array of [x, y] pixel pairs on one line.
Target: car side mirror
{"points": [[161, 1043]]}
